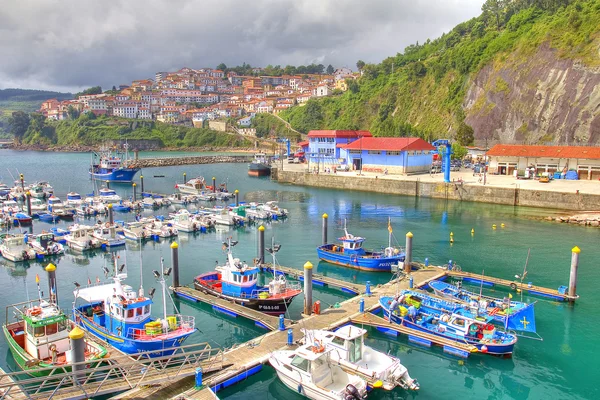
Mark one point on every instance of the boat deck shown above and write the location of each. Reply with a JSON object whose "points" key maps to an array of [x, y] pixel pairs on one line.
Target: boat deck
{"points": [[318, 279], [534, 290], [269, 322]]}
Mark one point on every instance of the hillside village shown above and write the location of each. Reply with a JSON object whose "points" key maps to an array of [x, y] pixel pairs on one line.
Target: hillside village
{"points": [[191, 97]]}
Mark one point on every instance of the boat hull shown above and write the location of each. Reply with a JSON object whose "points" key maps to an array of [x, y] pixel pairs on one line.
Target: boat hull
{"points": [[275, 306], [117, 175], [382, 264], [259, 169]]}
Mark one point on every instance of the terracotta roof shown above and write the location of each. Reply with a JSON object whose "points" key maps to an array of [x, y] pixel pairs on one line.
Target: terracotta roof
{"points": [[389, 143], [303, 144], [339, 134], [513, 150]]}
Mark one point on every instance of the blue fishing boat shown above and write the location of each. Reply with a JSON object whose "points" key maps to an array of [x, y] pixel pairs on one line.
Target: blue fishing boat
{"points": [[408, 310], [48, 217], [117, 314], [505, 311], [109, 166], [350, 253]]}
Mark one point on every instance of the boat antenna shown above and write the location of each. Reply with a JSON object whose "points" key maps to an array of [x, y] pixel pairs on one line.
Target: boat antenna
{"points": [[390, 232], [11, 175], [162, 283], [481, 285], [141, 291], [525, 272]]}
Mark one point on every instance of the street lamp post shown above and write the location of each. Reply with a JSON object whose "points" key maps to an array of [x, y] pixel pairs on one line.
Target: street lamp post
{"points": [[361, 160]]}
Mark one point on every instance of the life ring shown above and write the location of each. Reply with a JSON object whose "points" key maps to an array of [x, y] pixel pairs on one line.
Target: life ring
{"points": [[140, 299], [107, 224], [35, 311], [513, 286], [318, 347], [52, 348]]}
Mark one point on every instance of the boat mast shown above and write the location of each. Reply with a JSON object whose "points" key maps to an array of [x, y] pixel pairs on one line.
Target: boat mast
{"points": [[390, 232], [524, 272], [141, 291], [162, 284]]}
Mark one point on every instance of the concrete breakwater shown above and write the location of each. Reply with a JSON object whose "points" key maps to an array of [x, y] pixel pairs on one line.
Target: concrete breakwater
{"points": [[572, 201], [591, 219], [170, 161]]}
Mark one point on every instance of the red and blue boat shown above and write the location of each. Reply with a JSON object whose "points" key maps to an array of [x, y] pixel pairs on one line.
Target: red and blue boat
{"points": [[350, 253]]}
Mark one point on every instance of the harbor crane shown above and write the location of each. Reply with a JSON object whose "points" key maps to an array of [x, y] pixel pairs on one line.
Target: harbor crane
{"points": [[445, 157]]}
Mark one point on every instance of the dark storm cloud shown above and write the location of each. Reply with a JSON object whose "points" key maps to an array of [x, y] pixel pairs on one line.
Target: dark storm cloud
{"points": [[72, 44]]}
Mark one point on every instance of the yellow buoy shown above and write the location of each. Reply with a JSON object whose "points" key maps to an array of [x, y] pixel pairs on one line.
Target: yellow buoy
{"points": [[377, 384], [451, 234], [472, 231], [502, 225], [494, 226]]}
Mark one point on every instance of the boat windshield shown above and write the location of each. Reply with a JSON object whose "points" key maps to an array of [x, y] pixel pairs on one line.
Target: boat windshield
{"points": [[355, 350], [300, 363]]}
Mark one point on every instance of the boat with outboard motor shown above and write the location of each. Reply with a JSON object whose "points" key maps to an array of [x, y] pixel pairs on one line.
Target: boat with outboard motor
{"points": [[238, 282], [195, 186], [39, 337], [310, 371], [408, 309], [108, 235], [80, 237], [350, 253], [45, 245], [14, 248], [353, 355], [114, 312], [109, 166], [74, 199]]}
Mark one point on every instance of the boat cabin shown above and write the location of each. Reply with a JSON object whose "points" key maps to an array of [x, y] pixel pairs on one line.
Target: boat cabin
{"points": [[237, 278], [123, 313], [260, 158], [311, 360], [348, 341], [110, 163], [43, 332], [352, 244], [54, 203], [105, 192], [73, 196]]}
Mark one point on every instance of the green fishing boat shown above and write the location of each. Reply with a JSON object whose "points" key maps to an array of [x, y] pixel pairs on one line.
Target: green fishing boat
{"points": [[38, 338]]}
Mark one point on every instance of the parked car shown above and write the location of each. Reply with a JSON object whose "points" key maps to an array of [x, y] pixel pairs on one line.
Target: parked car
{"points": [[290, 160], [455, 167], [345, 167]]}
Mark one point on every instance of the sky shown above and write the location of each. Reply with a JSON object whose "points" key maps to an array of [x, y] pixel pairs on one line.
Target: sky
{"points": [[68, 45]]}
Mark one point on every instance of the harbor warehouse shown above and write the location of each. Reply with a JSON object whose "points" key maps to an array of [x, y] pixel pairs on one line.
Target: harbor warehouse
{"points": [[394, 155], [324, 146], [506, 158]]}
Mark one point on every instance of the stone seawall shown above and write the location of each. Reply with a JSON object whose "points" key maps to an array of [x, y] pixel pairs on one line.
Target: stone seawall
{"points": [[450, 191], [170, 161]]}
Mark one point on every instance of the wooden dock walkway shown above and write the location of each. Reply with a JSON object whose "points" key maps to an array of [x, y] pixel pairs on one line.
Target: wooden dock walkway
{"points": [[534, 290], [11, 393], [318, 279], [265, 321]]}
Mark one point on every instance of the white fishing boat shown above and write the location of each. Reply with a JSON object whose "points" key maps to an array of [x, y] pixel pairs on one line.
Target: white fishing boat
{"points": [[11, 206], [183, 221], [193, 186], [161, 229], [14, 248], [349, 350], [37, 205], [108, 235], [85, 211], [44, 244], [108, 196], [74, 199], [80, 237], [252, 210], [136, 231], [36, 191], [310, 371], [150, 202]]}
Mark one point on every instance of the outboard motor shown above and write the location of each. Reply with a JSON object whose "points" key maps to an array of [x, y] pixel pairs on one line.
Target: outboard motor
{"points": [[351, 393]]}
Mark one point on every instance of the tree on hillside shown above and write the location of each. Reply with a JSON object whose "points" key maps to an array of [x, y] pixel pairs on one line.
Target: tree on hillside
{"points": [[360, 64], [222, 67], [18, 123], [465, 134], [492, 9], [458, 151], [114, 88], [330, 69], [89, 91]]}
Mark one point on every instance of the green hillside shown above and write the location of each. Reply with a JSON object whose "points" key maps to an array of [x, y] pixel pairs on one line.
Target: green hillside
{"points": [[426, 93], [23, 100], [88, 130]]}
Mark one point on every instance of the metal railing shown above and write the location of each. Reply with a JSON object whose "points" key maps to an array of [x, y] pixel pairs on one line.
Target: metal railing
{"points": [[111, 375]]}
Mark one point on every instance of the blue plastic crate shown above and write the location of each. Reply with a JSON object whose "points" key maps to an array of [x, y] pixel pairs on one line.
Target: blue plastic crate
{"points": [[562, 289]]}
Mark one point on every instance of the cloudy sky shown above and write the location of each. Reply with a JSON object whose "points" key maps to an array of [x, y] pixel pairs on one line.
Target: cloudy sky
{"points": [[72, 44]]}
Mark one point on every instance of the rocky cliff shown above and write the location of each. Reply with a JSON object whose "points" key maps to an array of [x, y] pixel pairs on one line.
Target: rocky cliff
{"points": [[537, 99]]}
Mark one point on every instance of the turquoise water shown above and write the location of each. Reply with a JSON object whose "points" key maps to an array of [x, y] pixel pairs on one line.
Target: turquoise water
{"points": [[563, 365]]}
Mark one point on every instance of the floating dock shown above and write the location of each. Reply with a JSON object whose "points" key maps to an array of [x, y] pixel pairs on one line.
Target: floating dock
{"points": [[9, 388], [318, 279], [554, 294]]}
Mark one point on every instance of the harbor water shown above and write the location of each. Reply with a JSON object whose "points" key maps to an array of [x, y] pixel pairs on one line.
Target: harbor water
{"points": [[563, 365]]}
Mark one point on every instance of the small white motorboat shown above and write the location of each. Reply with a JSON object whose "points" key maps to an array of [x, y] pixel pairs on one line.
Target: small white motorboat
{"points": [[14, 248], [183, 221], [108, 196], [44, 244], [74, 199], [81, 238], [193, 186], [349, 350], [108, 235], [310, 371]]}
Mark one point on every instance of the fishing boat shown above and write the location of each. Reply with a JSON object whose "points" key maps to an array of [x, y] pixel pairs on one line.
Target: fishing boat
{"points": [[498, 309], [349, 350], [272, 207], [238, 282], [81, 238], [48, 217], [311, 372], [37, 205], [108, 235], [10, 206], [37, 191], [136, 231], [38, 338], [74, 199], [114, 312], [406, 309], [4, 189], [22, 218], [57, 207], [14, 248], [108, 196], [350, 253], [109, 166], [183, 221], [45, 245], [259, 166], [194, 186]]}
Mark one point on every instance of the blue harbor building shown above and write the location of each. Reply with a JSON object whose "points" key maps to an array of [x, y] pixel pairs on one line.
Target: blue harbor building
{"points": [[324, 146], [390, 155]]}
